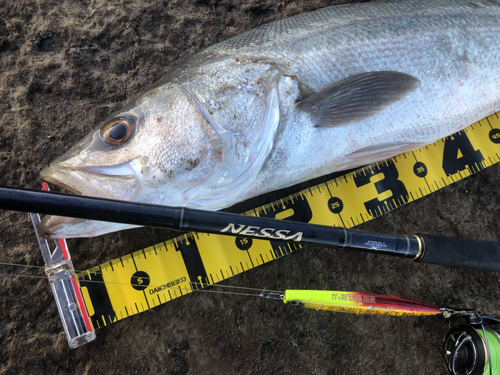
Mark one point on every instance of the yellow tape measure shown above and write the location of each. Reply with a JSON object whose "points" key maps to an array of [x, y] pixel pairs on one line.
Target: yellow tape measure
{"points": [[157, 274]]}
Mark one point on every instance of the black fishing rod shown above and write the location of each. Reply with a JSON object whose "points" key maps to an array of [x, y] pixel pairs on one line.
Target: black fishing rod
{"points": [[425, 248]]}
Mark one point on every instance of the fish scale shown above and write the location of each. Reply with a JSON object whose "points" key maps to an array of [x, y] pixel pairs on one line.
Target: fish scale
{"points": [[320, 92]]}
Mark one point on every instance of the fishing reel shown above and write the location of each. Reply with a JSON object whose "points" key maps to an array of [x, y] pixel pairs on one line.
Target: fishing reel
{"points": [[473, 347]]}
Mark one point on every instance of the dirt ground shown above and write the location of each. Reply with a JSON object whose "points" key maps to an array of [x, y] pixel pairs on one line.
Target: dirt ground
{"points": [[65, 66]]}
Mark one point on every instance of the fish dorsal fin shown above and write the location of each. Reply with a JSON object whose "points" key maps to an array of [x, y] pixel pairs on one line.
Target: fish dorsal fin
{"points": [[358, 97]]}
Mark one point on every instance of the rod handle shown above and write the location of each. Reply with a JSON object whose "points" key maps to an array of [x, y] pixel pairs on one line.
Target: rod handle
{"points": [[459, 252]]}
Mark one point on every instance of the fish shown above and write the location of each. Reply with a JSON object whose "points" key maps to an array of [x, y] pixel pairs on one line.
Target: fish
{"points": [[290, 101]]}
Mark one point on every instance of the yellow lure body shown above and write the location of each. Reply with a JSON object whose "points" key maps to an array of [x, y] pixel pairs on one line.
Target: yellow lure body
{"points": [[359, 303]]}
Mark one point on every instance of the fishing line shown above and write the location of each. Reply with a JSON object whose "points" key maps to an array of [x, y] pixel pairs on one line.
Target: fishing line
{"points": [[190, 290], [156, 279], [21, 265], [353, 302]]}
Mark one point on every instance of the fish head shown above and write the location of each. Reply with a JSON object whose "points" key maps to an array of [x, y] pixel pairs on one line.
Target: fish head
{"points": [[155, 149], [198, 142]]}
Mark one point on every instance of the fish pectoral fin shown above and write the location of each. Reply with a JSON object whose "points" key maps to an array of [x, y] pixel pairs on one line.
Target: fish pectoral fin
{"points": [[357, 97], [379, 152]]}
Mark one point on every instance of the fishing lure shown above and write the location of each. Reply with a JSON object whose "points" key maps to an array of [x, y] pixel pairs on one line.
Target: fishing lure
{"points": [[354, 302]]}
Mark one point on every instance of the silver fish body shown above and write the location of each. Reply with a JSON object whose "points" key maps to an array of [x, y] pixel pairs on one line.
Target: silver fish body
{"points": [[296, 99]]}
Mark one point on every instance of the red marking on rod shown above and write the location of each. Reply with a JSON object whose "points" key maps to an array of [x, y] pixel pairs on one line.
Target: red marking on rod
{"points": [[82, 304]]}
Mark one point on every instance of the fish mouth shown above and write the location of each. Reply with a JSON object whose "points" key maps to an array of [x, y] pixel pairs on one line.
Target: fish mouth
{"points": [[121, 181]]}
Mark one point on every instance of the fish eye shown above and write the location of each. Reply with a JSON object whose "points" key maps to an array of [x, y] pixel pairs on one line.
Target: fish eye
{"points": [[118, 131]]}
